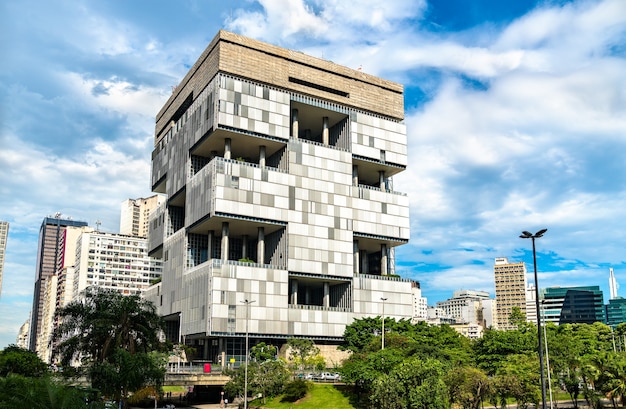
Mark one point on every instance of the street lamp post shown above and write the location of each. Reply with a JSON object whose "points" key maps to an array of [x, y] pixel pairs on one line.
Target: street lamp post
{"points": [[245, 376], [383, 299], [528, 235]]}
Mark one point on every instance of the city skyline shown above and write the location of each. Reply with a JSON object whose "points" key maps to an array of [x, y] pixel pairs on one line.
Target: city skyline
{"points": [[513, 114]]}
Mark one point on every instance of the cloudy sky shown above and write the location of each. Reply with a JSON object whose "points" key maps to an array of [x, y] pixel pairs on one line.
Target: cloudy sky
{"points": [[515, 112]]}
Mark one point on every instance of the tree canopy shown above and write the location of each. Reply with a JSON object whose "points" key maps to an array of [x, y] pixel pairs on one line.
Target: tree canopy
{"points": [[116, 338]]}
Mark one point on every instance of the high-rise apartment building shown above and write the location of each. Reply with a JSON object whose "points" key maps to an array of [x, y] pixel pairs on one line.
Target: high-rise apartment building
{"points": [[465, 306], [22, 335], [113, 261], [420, 304], [510, 279], [4, 235], [135, 215], [281, 218], [49, 258]]}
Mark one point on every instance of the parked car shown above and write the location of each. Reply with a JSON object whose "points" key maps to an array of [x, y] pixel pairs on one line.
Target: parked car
{"points": [[327, 376]]}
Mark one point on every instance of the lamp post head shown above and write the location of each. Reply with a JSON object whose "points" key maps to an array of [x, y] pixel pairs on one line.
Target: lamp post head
{"points": [[528, 235]]}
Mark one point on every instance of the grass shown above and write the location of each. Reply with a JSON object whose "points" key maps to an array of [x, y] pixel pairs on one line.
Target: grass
{"points": [[174, 389], [320, 396]]}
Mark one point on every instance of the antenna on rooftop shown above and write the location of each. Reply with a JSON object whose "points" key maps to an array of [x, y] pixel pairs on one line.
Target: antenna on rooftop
{"points": [[98, 223], [613, 286]]}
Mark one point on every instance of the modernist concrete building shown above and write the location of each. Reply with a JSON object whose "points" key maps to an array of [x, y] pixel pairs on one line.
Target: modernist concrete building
{"points": [[281, 218], [135, 215], [49, 258], [510, 281]]}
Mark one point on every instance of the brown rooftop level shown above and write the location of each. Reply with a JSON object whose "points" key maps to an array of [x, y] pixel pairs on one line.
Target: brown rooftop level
{"points": [[281, 68]]}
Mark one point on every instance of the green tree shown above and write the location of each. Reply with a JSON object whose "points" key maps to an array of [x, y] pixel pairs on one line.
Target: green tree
{"points": [[267, 378], [414, 383], [519, 378], [114, 337], [360, 334], [494, 348], [300, 350], [19, 392], [468, 386], [263, 352], [20, 361]]}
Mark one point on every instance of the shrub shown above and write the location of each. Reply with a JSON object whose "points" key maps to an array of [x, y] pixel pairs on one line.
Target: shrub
{"points": [[295, 390]]}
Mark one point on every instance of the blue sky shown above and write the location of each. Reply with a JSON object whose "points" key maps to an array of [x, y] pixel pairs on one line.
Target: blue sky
{"points": [[515, 112]]}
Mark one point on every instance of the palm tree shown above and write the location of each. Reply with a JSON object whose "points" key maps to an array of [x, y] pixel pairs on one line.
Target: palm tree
{"points": [[102, 321], [113, 337]]}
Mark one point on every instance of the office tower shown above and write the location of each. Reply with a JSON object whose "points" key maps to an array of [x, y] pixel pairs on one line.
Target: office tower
{"points": [[135, 215], [113, 261], [573, 305], [510, 281], [615, 312], [4, 234], [465, 306], [49, 254], [281, 219]]}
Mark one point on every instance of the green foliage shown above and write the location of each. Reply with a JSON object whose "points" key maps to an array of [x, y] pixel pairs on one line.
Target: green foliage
{"points": [[300, 350], [20, 361], [412, 384], [18, 392], [263, 352], [495, 347], [295, 390], [517, 318], [115, 337], [267, 378], [468, 386], [127, 372], [518, 378]]}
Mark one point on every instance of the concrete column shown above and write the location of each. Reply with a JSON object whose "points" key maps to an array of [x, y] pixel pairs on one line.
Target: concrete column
{"points": [[244, 246], [205, 352], [381, 180], [325, 137], [262, 156], [225, 233], [294, 123], [307, 295], [383, 260], [355, 254], [294, 292], [210, 241], [326, 301], [260, 247], [364, 266], [355, 175], [227, 148]]}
